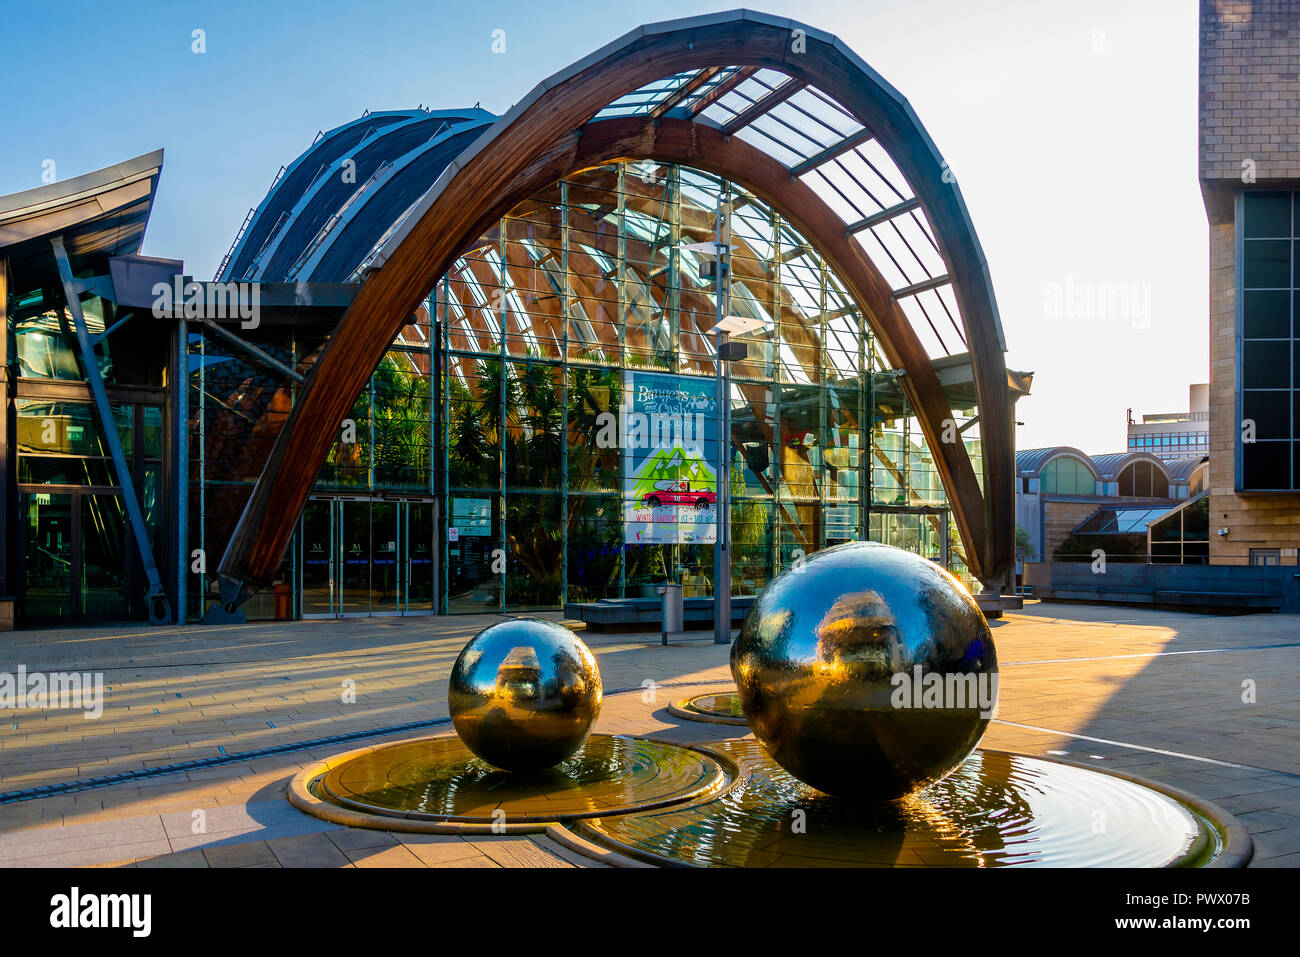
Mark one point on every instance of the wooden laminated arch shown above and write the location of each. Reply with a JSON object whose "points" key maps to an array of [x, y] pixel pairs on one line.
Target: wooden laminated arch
{"points": [[571, 122]]}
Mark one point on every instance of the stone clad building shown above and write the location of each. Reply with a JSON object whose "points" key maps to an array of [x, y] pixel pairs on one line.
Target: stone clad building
{"points": [[1249, 168]]}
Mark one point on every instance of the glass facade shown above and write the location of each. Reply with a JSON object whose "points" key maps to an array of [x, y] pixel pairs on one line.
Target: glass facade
{"points": [[471, 470], [1268, 276], [1170, 444], [77, 558], [1182, 537]]}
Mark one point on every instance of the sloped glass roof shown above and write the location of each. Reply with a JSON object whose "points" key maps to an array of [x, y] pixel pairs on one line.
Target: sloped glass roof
{"points": [[1121, 521], [829, 150]]}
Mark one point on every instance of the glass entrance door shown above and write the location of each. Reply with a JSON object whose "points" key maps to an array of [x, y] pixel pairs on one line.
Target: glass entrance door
{"points": [[366, 557], [79, 560], [50, 555], [386, 579], [417, 542], [353, 526], [319, 594]]}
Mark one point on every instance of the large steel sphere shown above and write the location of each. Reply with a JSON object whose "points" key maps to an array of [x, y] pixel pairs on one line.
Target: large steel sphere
{"points": [[524, 694], [866, 672]]}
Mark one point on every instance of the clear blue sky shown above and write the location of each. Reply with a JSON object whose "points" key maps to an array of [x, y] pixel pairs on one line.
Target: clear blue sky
{"points": [[1071, 128]]}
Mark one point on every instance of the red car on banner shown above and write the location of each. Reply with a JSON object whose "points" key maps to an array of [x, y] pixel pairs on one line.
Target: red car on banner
{"points": [[679, 493]]}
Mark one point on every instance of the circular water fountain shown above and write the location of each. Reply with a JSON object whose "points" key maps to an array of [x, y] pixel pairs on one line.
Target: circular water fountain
{"points": [[439, 780], [996, 810], [845, 673], [713, 707], [727, 804]]}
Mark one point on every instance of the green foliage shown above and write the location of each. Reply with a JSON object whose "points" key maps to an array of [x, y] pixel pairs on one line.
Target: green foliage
{"points": [[1024, 545]]}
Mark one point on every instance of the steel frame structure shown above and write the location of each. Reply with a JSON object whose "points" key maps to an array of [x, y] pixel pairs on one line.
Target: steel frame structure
{"points": [[787, 111]]}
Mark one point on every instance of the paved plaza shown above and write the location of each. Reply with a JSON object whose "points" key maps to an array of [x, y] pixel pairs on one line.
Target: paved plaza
{"points": [[1204, 703]]}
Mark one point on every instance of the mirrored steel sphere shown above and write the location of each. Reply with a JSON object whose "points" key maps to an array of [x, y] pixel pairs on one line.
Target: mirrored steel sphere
{"points": [[524, 694], [866, 671]]}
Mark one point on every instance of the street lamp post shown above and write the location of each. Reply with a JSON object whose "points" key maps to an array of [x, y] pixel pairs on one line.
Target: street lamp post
{"points": [[722, 500], [725, 350], [722, 503]]}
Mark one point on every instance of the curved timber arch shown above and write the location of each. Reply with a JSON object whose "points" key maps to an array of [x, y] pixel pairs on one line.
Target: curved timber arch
{"points": [[572, 121]]}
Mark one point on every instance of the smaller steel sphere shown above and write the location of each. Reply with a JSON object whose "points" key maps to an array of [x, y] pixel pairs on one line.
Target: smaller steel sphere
{"points": [[866, 671], [524, 694]]}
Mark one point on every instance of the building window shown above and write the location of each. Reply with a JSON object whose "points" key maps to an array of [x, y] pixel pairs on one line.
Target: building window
{"points": [[1067, 476], [1143, 480], [1182, 536], [1266, 556], [1270, 349]]}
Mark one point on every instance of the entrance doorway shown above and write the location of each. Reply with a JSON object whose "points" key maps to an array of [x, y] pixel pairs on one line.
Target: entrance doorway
{"points": [[367, 556], [79, 560]]}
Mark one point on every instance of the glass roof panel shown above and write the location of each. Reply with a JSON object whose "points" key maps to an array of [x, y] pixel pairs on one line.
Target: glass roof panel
{"points": [[883, 259], [755, 136], [934, 338]]}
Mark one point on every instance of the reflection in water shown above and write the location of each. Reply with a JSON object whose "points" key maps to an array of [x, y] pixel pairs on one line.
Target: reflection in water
{"points": [[996, 810], [441, 778]]}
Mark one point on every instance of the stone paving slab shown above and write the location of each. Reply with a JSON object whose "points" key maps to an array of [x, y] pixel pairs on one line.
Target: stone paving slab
{"points": [[1158, 694]]}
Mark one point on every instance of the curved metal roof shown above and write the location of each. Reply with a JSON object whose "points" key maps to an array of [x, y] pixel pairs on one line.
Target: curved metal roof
{"points": [[1181, 470], [98, 214], [1110, 465], [1030, 462], [325, 215]]}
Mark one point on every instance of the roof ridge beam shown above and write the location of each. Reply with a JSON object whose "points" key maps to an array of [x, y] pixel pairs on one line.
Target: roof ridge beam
{"points": [[920, 287], [884, 216], [852, 141]]}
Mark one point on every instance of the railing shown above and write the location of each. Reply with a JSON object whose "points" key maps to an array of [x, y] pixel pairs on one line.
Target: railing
{"points": [[243, 228]]}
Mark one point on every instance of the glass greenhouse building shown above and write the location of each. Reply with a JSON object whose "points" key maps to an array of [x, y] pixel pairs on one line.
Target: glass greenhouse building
{"points": [[483, 416], [453, 312]]}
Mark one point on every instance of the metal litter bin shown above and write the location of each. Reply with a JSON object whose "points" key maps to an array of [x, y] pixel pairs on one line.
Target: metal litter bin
{"points": [[670, 610]]}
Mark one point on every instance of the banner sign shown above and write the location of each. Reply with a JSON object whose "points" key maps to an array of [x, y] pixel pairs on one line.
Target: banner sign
{"points": [[668, 430]]}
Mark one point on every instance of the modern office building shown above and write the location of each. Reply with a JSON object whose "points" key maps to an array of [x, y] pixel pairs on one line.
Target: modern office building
{"points": [[1250, 180], [1064, 495], [1174, 435], [396, 396]]}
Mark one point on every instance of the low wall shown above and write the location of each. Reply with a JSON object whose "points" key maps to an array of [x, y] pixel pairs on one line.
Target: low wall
{"points": [[1280, 580]]}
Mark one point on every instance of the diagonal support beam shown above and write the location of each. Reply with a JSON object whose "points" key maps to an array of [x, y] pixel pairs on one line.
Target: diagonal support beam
{"points": [[685, 90], [853, 141], [884, 216], [244, 346], [160, 611], [721, 90], [778, 96]]}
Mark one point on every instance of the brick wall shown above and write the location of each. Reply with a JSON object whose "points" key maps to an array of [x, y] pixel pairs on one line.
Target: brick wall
{"points": [[1249, 110], [1059, 520]]}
